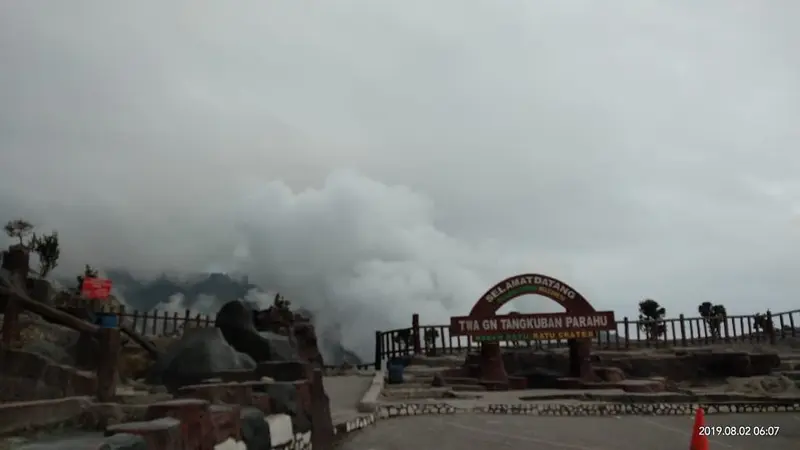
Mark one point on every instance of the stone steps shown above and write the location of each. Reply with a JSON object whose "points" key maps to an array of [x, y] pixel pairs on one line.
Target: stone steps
{"points": [[419, 379], [450, 381], [793, 375], [405, 385], [467, 387], [789, 364]]}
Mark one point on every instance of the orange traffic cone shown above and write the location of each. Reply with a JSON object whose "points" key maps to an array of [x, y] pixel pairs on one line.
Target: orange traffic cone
{"points": [[699, 440]]}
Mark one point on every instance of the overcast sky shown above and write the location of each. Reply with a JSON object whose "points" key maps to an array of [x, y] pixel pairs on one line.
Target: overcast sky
{"points": [[391, 157]]}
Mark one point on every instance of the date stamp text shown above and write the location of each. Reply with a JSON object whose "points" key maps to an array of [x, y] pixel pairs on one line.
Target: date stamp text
{"points": [[744, 430]]}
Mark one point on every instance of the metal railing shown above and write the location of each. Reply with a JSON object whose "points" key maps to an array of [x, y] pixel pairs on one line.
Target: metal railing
{"points": [[769, 328]]}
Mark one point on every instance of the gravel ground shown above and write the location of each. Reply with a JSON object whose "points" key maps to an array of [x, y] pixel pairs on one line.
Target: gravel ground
{"points": [[491, 432]]}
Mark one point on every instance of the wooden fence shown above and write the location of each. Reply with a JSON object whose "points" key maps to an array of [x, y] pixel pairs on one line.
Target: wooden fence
{"points": [[150, 323], [678, 332]]}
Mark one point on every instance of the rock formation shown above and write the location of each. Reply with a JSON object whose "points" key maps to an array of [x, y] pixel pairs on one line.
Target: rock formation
{"points": [[235, 349], [274, 367]]}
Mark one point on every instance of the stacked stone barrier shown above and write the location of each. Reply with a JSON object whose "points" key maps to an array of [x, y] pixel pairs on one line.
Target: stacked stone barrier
{"points": [[590, 409]]}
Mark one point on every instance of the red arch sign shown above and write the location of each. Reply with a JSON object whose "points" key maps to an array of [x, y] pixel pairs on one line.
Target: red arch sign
{"points": [[580, 320]]}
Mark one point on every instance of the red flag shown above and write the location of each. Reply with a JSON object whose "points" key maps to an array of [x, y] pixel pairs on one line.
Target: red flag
{"points": [[699, 440]]}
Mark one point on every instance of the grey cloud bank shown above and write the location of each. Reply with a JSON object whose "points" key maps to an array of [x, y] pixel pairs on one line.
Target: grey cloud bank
{"points": [[373, 160]]}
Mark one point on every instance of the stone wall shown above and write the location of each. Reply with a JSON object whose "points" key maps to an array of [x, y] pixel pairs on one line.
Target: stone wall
{"points": [[170, 425]]}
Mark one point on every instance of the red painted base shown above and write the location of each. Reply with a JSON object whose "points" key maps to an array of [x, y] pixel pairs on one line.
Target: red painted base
{"points": [[491, 363]]}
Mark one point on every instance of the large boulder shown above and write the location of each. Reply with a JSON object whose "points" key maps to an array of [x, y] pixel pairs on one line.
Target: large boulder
{"points": [[58, 343], [32, 376], [49, 350], [198, 355], [281, 348], [235, 321]]}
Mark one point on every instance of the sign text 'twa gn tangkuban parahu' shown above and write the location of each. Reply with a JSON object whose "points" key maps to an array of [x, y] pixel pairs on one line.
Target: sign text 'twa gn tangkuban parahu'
{"points": [[529, 323]]}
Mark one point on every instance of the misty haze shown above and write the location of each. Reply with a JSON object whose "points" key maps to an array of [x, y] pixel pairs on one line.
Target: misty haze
{"points": [[371, 160]]}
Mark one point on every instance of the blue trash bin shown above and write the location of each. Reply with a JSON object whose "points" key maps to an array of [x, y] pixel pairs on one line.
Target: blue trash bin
{"points": [[106, 320], [395, 373]]}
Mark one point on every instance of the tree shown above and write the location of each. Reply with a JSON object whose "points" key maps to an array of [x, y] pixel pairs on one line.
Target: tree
{"points": [[282, 308], [19, 229], [88, 272], [763, 322], [714, 316], [46, 246], [430, 336], [48, 249], [651, 318], [281, 303], [404, 338]]}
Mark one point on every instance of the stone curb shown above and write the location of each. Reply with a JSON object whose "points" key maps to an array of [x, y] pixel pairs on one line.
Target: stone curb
{"points": [[384, 412], [355, 424], [369, 401], [589, 409], [562, 410]]}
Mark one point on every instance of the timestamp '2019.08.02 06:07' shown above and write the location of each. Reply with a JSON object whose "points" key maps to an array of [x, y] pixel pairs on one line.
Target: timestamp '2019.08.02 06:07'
{"points": [[745, 430]]}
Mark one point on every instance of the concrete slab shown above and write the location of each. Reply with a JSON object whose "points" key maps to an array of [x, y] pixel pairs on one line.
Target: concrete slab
{"points": [[345, 392]]}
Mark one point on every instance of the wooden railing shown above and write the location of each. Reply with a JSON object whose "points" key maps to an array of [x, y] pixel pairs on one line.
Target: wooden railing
{"points": [[149, 323], [678, 332]]}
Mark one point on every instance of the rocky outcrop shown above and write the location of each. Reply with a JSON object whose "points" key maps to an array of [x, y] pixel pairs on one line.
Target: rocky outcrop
{"points": [[200, 354], [191, 368], [235, 320], [235, 350], [31, 376]]}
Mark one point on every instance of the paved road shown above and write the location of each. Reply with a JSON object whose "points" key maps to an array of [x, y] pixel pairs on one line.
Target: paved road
{"points": [[494, 432]]}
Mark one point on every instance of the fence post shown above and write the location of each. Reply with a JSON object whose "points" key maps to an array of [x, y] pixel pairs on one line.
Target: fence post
{"points": [[378, 350], [627, 332], [186, 318], [771, 328], [415, 331], [683, 330], [107, 365], [725, 329]]}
